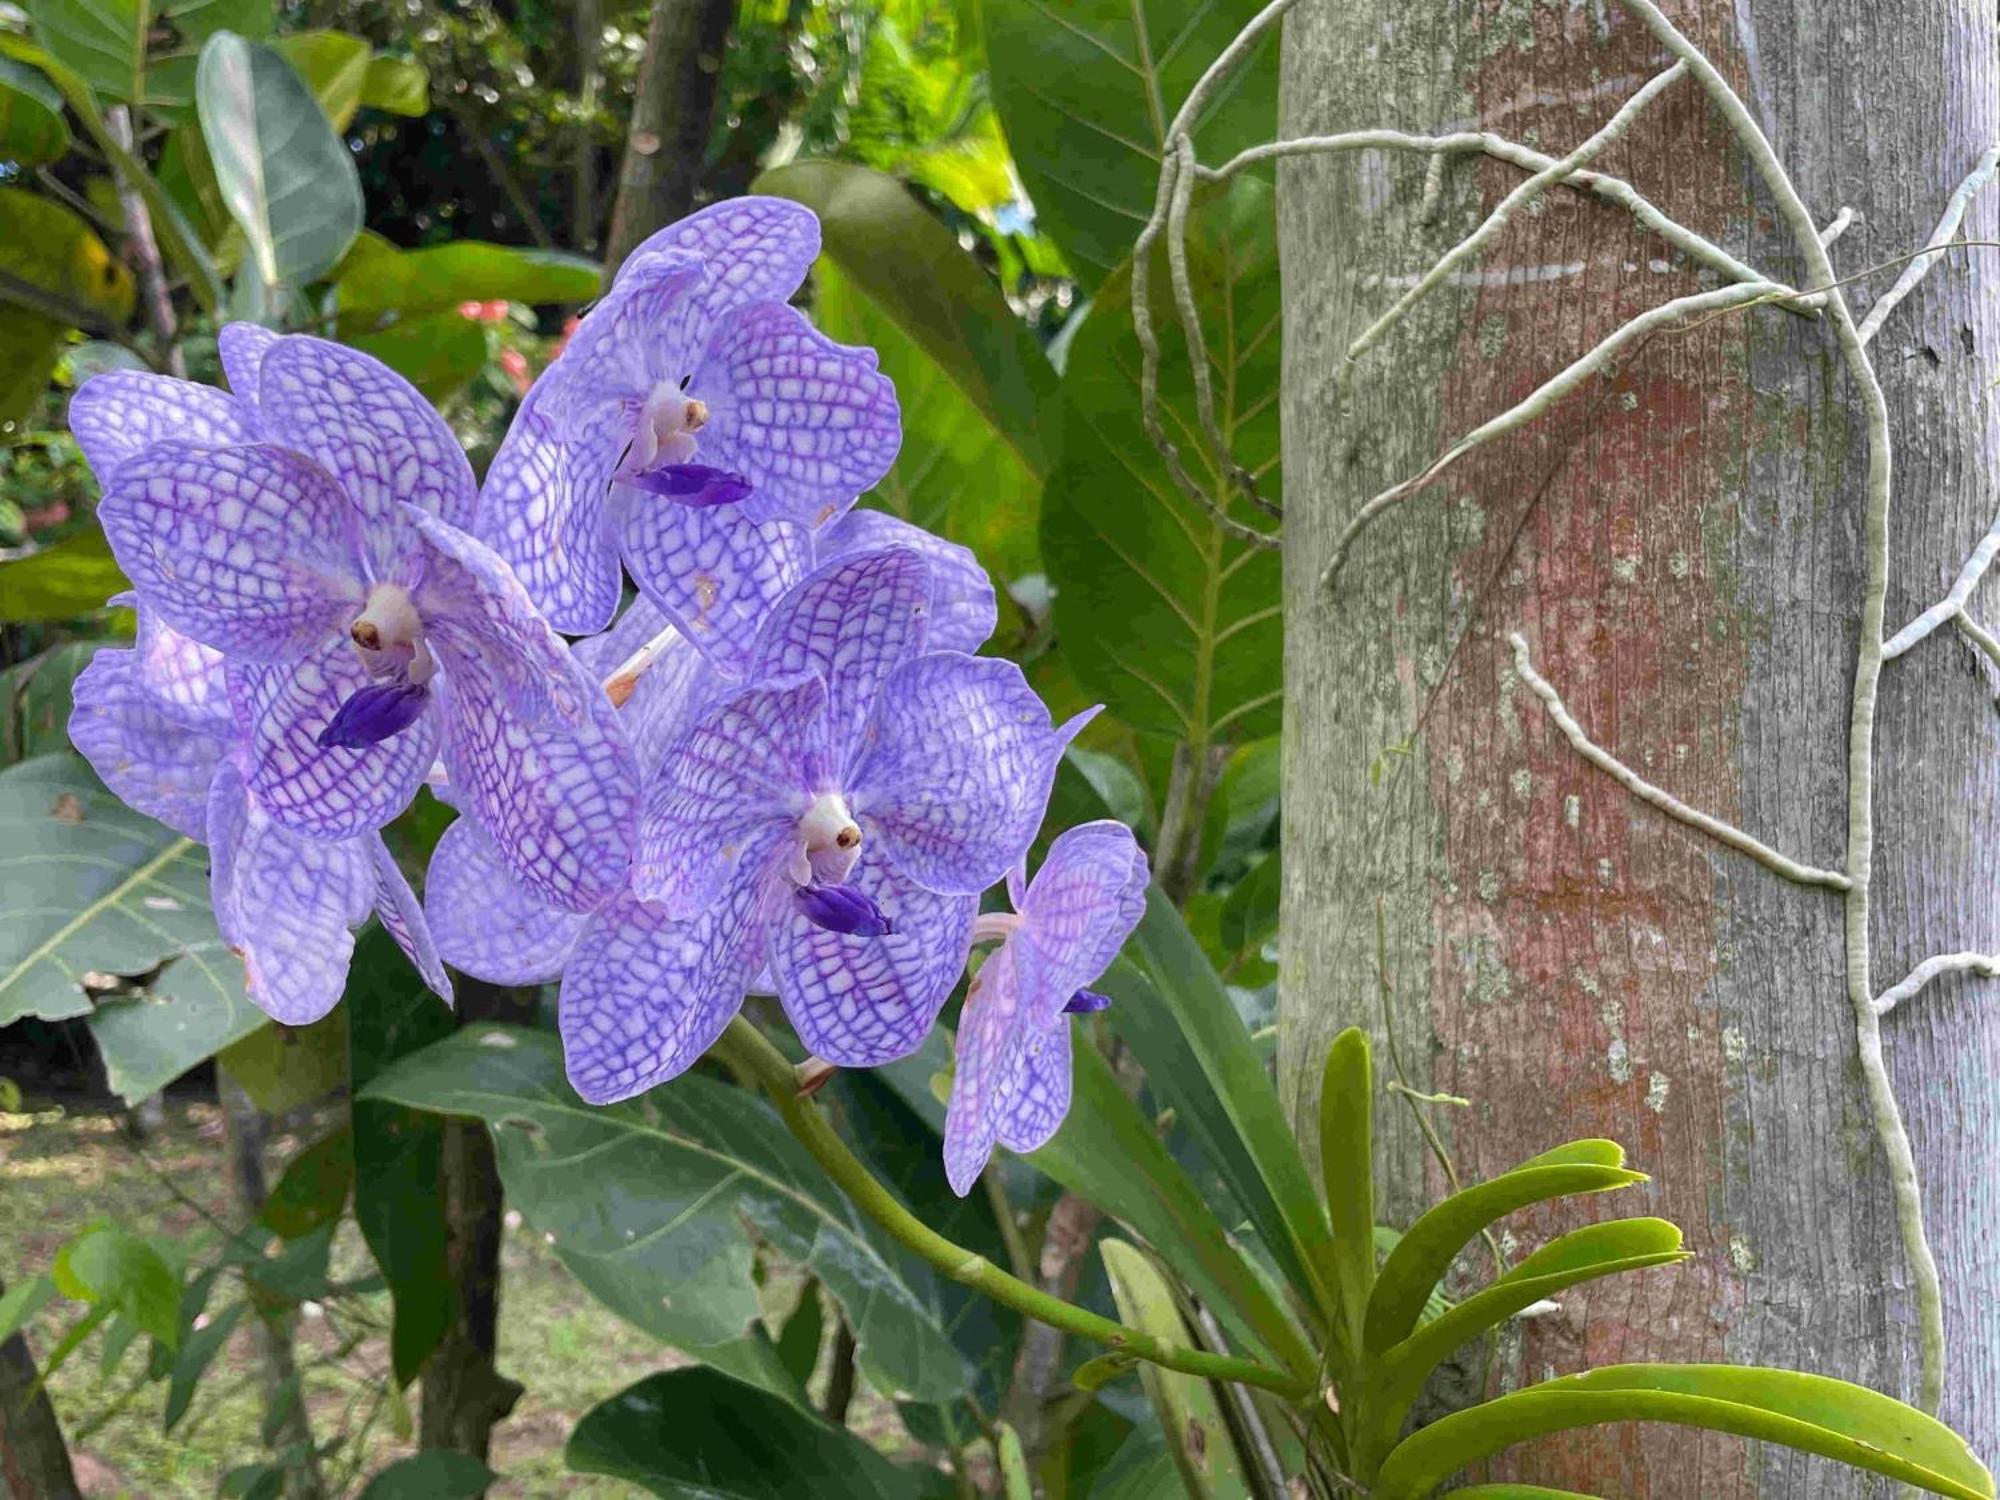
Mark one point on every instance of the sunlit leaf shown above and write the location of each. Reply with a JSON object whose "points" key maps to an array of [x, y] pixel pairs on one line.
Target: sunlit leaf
{"points": [[397, 86], [377, 279], [334, 65], [60, 582]]}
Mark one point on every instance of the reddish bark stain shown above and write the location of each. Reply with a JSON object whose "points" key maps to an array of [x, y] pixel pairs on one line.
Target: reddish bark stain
{"points": [[1577, 928]]}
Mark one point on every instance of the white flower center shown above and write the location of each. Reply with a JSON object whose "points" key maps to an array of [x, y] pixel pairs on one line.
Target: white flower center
{"points": [[389, 634], [829, 841], [667, 425]]}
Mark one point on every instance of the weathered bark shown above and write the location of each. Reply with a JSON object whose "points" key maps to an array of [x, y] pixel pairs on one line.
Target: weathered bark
{"points": [[465, 1395], [673, 109], [1680, 542], [34, 1459]]}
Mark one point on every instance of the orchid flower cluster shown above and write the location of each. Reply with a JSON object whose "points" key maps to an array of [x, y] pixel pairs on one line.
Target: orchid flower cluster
{"points": [[780, 767]]}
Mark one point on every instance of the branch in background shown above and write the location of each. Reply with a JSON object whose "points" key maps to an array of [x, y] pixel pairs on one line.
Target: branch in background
{"points": [[34, 1460], [583, 160], [673, 111], [465, 1395], [496, 163], [153, 294]]}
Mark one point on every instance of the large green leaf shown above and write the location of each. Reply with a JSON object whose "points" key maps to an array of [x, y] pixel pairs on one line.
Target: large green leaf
{"points": [[377, 279], [698, 1435], [440, 354], [190, 1011], [1189, 1413], [73, 577], [1171, 621], [978, 397], [285, 176], [1347, 1165], [436, 1475], [334, 65], [1086, 90], [690, 1161], [397, 86], [1809, 1412], [55, 274], [32, 128], [102, 41]]}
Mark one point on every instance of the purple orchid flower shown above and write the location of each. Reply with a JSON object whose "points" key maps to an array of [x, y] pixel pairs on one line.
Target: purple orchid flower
{"points": [[835, 821], [309, 534], [696, 426], [1012, 1083], [154, 720]]}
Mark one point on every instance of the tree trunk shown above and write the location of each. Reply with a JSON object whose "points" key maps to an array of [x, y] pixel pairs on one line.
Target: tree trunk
{"points": [[34, 1459], [465, 1395], [673, 109], [1681, 543]]}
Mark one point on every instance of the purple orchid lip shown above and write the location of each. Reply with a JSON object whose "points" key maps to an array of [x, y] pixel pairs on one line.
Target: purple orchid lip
{"points": [[1086, 1002], [843, 908], [694, 485], [374, 713]]}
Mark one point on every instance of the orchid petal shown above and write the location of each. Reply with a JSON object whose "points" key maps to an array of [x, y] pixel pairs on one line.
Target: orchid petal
{"points": [[964, 610], [716, 573], [123, 412], [151, 757], [485, 921], [989, 1061], [1082, 905]]}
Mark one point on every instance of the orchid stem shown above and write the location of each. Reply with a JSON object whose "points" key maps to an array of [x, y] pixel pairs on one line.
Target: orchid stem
{"points": [[746, 1052]]}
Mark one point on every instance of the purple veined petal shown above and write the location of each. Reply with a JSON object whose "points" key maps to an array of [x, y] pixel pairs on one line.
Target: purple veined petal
{"points": [[287, 905], [742, 773], [716, 573], [542, 509], [323, 792], [243, 347], [955, 774], [760, 249], [402, 917], [694, 485], [810, 423], [253, 550], [850, 624], [472, 604], [964, 609], [647, 329], [668, 695], [863, 1001], [184, 675], [989, 1063], [1081, 906], [560, 803], [485, 921], [151, 757], [644, 996], [1032, 1108], [369, 428], [123, 412]]}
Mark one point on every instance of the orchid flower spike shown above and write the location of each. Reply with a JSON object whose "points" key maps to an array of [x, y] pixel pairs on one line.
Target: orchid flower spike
{"points": [[307, 529], [696, 427], [1012, 1082]]}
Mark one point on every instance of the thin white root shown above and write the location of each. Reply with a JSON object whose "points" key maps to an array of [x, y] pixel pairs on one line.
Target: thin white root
{"points": [[1842, 222], [624, 678], [1947, 228], [1932, 968], [1979, 635], [1954, 601], [1645, 791]]}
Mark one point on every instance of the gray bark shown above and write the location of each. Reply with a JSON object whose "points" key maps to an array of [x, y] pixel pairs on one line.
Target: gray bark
{"points": [[34, 1459], [1680, 543]]}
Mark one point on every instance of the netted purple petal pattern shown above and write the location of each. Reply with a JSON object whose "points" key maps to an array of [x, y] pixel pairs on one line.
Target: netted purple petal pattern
{"points": [[559, 802], [758, 248], [542, 510], [485, 921], [956, 770], [151, 757], [733, 780], [809, 422], [243, 347], [286, 904], [369, 428], [184, 675], [989, 1064], [123, 412], [322, 791], [667, 696], [644, 996], [964, 609], [850, 625], [716, 573], [863, 1001], [1083, 903], [641, 334], [251, 550], [1032, 1108], [402, 917]]}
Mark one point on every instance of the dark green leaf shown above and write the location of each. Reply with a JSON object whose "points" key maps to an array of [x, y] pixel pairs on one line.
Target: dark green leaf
{"points": [[298, 1270], [1142, 1469], [1172, 622], [435, 1475], [314, 1189], [378, 279], [440, 354], [1250, 912], [73, 577], [1808, 1412], [1428, 1248], [697, 1435], [194, 1358], [1347, 1165], [198, 20], [690, 1160], [103, 41], [35, 701], [397, 86], [283, 1068], [55, 274], [32, 128], [799, 1339], [1515, 1492], [1086, 90], [286, 177], [252, 1482], [20, 1303]]}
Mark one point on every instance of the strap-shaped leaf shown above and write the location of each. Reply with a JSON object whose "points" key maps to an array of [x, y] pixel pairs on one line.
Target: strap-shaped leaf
{"points": [[1347, 1165], [1812, 1413], [1515, 1492], [1592, 1152], [1426, 1252], [1569, 1260]]}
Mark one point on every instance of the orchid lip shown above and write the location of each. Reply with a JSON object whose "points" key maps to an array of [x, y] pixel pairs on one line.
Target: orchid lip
{"points": [[844, 909], [694, 485], [373, 714], [1086, 1003]]}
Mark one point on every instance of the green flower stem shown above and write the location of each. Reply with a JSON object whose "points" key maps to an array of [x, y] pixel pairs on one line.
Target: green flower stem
{"points": [[746, 1051]]}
